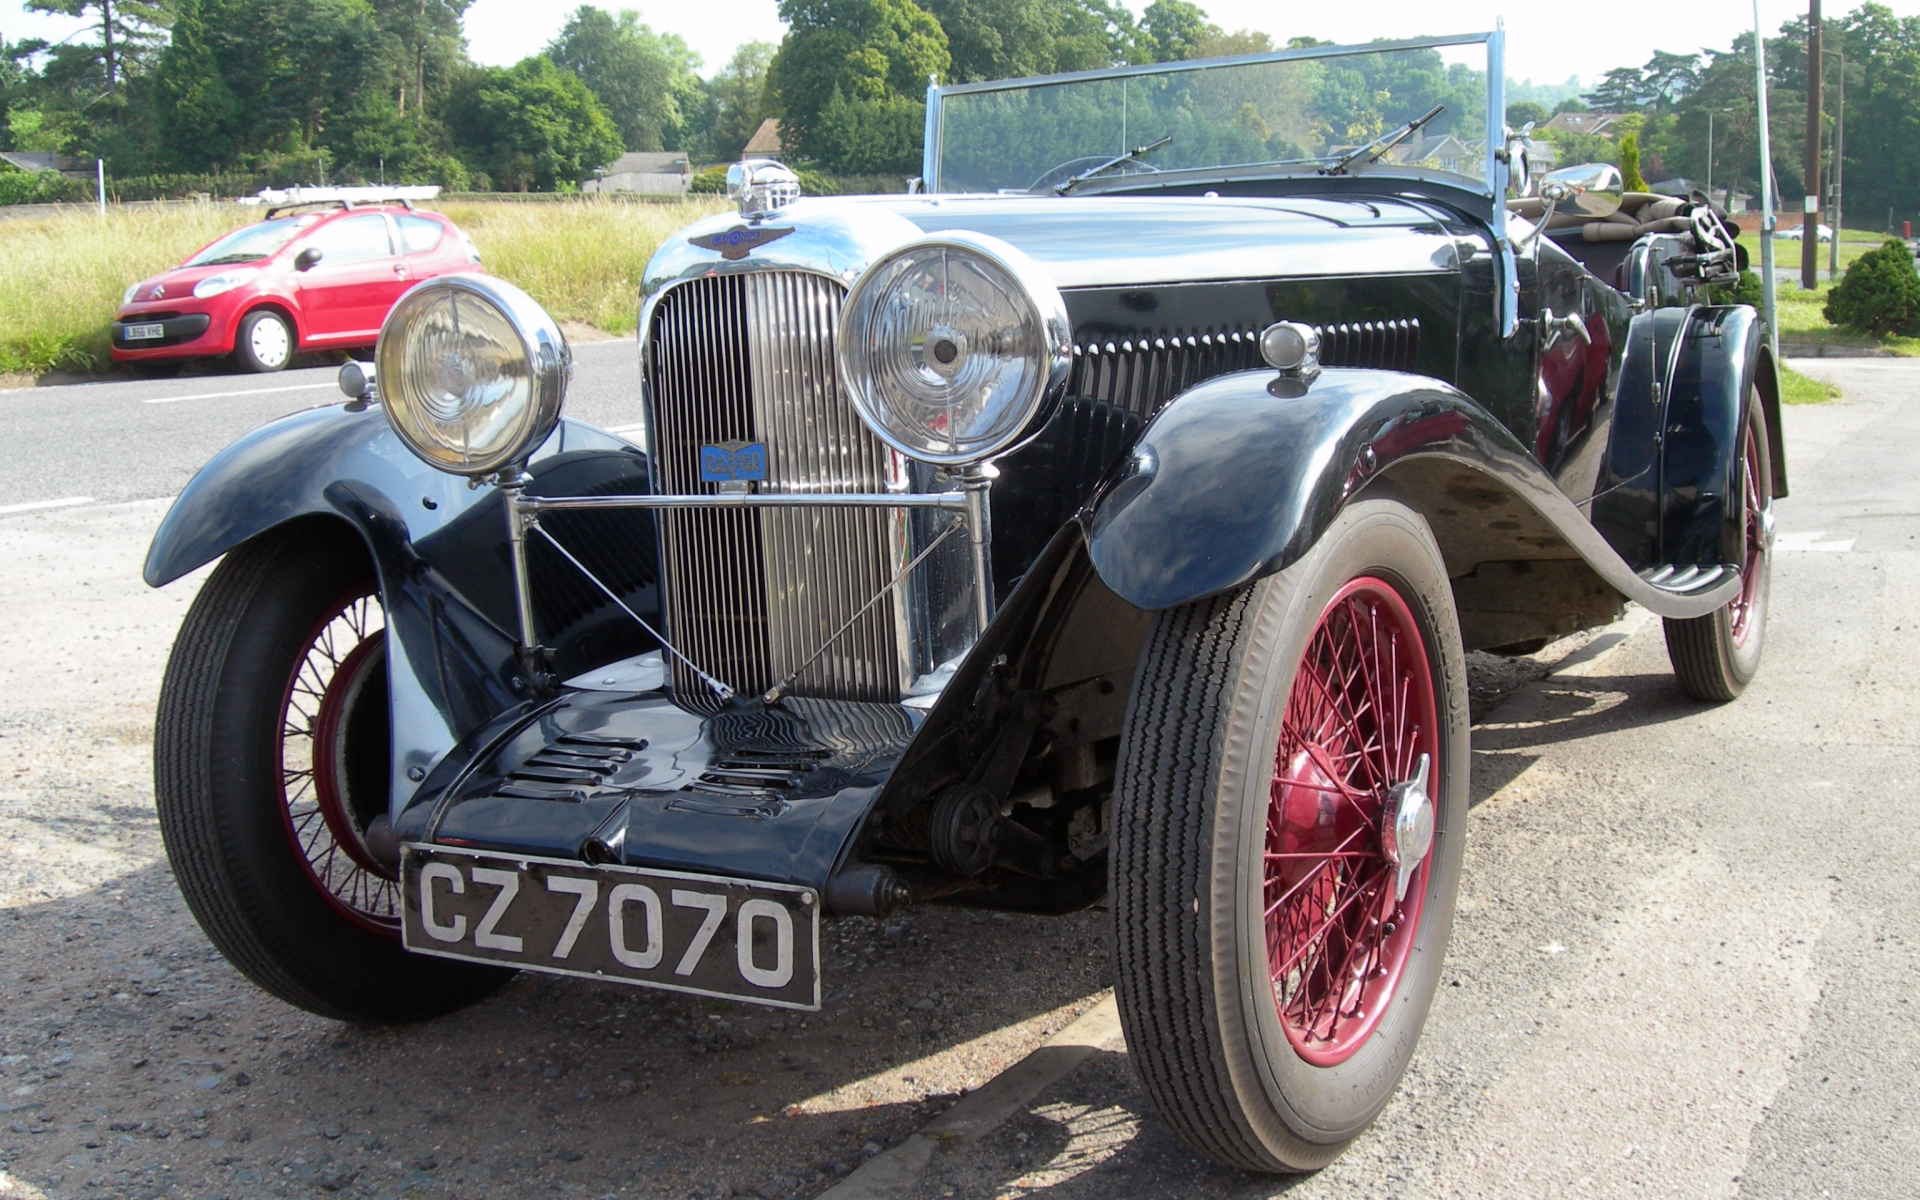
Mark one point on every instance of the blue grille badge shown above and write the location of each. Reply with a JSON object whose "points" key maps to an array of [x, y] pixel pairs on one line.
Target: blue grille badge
{"points": [[730, 461], [736, 243]]}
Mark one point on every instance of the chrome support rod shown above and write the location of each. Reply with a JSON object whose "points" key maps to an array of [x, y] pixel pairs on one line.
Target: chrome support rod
{"points": [[513, 482], [948, 500], [775, 693], [720, 689], [975, 483]]}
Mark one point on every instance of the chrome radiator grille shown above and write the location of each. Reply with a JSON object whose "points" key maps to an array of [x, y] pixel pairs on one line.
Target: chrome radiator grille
{"points": [[752, 593]]}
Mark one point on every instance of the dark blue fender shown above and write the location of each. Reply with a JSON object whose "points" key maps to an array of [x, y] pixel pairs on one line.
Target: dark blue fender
{"points": [[439, 550], [1233, 481], [1723, 358], [1676, 432]]}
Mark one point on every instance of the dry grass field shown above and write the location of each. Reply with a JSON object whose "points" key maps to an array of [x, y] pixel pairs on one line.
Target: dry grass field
{"points": [[62, 276]]}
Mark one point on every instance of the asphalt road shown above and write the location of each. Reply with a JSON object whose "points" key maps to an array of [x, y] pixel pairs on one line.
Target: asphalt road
{"points": [[139, 439], [1685, 961]]}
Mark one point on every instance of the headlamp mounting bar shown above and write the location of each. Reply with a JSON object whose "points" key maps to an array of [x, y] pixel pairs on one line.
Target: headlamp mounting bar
{"points": [[523, 515]]}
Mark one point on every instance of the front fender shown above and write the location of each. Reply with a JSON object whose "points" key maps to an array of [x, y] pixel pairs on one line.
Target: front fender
{"points": [[1232, 482], [439, 550]]}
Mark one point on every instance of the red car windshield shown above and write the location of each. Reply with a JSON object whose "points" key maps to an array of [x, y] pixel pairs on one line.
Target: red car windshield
{"points": [[252, 243]]}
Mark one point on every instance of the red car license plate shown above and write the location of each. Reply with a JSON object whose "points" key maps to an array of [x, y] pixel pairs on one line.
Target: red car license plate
{"points": [[136, 333], [741, 939]]}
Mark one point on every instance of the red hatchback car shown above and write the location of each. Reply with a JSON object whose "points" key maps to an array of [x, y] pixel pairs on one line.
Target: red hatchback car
{"points": [[302, 280]]}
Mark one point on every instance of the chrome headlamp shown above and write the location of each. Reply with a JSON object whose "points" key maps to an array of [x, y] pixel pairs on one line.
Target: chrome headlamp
{"points": [[951, 344], [472, 372]]}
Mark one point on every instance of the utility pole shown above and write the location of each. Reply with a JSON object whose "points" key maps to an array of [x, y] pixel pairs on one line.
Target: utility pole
{"points": [[1810, 221], [1839, 164], [1766, 189]]}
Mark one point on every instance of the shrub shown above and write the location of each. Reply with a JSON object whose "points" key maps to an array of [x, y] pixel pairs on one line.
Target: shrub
{"points": [[1746, 291], [710, 182], [43, 187], [1879, 294]]}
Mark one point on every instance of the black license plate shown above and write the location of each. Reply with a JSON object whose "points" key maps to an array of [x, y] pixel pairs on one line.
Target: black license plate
{"points": [[735, 938]]}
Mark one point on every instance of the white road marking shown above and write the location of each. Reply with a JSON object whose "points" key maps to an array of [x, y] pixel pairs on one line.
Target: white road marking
{"points": [[298, 387], [68, 502], [1811, 541]]}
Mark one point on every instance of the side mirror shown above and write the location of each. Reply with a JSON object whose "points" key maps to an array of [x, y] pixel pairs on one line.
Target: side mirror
{"points": [[306, 259], [1591, 190]]}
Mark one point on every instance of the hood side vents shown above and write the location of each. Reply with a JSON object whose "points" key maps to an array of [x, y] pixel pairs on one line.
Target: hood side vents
{"points": [[1141, 372]]}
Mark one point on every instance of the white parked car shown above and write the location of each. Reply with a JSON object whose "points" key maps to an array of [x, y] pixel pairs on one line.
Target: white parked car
{"points": [[1798, 233]]}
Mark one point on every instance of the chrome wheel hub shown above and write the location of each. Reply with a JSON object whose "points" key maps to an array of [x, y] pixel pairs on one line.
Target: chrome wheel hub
{"points": [[1406, 826]]}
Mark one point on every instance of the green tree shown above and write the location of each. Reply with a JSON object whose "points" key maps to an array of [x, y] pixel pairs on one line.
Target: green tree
{"points": [[647, 81], [531, 126], [856, 135], [737, 95], [197, 115], [1009, 39], [1630, 163], [875, 53], [131, 34], [1622, 89], [422, 45], [1879, 294], [1524, 112], [1176, 29]]}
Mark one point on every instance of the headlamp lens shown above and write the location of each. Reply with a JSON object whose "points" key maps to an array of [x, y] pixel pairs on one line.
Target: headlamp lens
{"points": [[948, 354], [459, 383]]}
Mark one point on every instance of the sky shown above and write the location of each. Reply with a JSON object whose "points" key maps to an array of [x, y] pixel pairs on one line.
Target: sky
{"points": [[1546, 43]]}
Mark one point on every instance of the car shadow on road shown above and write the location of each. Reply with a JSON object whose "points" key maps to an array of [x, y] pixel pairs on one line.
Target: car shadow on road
{"points": [[137, 1058]]}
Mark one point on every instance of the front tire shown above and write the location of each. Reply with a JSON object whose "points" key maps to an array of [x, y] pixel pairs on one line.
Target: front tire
{"points": [[264, 343], [1271, 978], [271, 756], [1714, 657]]}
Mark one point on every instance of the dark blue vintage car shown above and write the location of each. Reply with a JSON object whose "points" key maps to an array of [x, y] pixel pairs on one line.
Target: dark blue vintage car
{"points": [[1108, 521]]}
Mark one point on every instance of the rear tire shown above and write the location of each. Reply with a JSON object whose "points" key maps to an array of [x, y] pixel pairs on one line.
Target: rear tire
{"points": [[270, 756], [1714, 657], [264, 343], [1236, 834]]}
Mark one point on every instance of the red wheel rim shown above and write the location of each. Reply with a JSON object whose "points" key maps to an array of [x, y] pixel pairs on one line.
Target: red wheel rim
{"points": [[1359, 716], [1743, 615], [341, 656]]}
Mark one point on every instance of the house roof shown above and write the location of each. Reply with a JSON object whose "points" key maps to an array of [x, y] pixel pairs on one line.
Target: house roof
{"points": [[1583, 122], [649, 162], [41, 160], [1441, 146], [765, 140]]}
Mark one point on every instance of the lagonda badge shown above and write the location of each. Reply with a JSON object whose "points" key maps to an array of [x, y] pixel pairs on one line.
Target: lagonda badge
{"points": [[731, 461], [736, 243]]}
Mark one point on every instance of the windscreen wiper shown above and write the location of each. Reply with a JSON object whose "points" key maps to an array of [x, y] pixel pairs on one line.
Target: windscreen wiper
{"points": [[1062, 189], [1385, 142]]}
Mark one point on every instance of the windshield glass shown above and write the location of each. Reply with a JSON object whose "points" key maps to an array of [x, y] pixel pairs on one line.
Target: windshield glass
{"points": [[254, 242], [1309, 110]]}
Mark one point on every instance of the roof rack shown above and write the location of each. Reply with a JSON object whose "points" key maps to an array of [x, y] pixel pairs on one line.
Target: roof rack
{"points": [[279, 200]]}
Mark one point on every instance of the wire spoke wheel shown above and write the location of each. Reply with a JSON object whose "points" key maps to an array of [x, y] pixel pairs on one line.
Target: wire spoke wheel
{"points": [[1744, 613], [1359, 716], [1288, 799], [1716, 655], [332, 738]]}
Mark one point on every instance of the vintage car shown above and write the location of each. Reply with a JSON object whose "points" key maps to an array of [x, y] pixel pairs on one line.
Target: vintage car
{"points": [[1106, 524], [318, 272]]}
